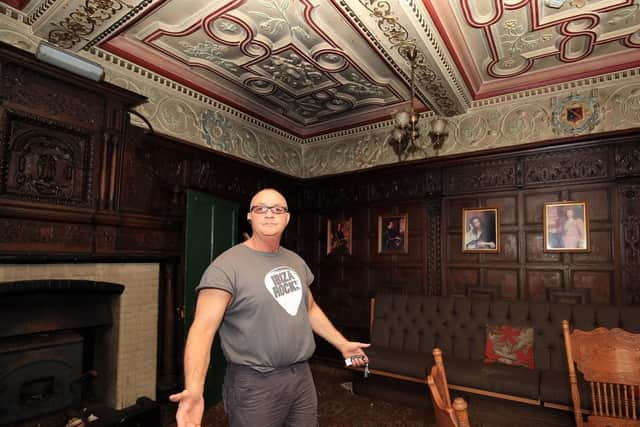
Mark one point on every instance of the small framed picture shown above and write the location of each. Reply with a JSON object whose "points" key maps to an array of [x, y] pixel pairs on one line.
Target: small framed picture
{"points": [[566, 227], [480, 230], [339, 237], [392, 234]]}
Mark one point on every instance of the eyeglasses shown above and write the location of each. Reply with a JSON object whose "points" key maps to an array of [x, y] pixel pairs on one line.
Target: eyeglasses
{"points": [[277, 210]]}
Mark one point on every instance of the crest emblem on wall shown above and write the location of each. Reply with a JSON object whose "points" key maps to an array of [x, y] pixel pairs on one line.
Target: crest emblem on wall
{"points": [[575, 114]]}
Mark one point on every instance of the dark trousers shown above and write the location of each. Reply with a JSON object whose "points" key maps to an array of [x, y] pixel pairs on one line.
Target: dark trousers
{"points": [[283, 397]]}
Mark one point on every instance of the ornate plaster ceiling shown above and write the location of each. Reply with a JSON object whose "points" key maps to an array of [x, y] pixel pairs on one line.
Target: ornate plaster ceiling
{"points": [[310, 67]]}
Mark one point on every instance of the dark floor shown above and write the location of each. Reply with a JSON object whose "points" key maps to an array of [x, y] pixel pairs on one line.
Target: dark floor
{"points": [[403, 405]]}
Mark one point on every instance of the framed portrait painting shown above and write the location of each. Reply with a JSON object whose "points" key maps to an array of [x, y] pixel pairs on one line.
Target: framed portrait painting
{"points": [[392, 234], [480, 230], [566, 227], [339, 237]]}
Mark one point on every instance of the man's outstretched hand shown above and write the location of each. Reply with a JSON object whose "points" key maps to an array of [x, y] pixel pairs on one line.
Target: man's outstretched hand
{"points": [[352, 348], [190, 408]]}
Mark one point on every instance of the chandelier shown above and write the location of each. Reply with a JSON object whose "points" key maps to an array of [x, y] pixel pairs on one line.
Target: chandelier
{"points": [[405, 136]]}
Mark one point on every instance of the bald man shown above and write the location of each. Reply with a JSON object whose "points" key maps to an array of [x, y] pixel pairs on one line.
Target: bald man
{"points": [[257, 293]]}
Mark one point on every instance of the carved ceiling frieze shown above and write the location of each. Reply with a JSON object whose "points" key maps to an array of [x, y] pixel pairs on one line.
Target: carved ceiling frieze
{"points": [[295, 64], [505, 46], [308, 87]]}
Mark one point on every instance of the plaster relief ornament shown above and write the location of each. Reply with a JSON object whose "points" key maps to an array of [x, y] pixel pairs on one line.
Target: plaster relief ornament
{"points": [[576, 114], [556, 4]]}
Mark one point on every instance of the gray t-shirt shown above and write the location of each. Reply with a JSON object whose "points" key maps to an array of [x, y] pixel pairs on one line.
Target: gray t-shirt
{"points": [[266, 325]]}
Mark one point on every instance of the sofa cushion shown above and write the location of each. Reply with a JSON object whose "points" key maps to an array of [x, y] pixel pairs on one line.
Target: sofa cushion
{"points": [[510, 345], [409, 363], [555, 388], [499, 378]]}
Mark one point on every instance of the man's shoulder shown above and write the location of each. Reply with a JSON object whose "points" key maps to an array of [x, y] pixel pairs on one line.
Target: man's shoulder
{"points": [[230, 254]]}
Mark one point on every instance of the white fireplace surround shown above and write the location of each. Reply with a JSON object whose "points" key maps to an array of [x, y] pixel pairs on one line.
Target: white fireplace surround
{"points": [[133, 337]]}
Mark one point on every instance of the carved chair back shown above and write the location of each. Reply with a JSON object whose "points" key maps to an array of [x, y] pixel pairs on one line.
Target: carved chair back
{"points": [[609, 360], [447, 415]]}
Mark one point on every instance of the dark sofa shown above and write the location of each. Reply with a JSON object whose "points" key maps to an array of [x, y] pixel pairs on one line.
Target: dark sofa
{"points": [[406, 328]]}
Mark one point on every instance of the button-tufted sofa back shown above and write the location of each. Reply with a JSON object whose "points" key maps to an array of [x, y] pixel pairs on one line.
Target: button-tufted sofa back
{"points": [[457, 325]]}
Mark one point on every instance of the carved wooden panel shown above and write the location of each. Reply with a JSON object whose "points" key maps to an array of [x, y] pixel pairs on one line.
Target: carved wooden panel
{"points": [[569, 296], [151, 178], [51, 98], [539, 280], [627, 160], [507, 280], [397, 187], [381, 279], [567, 165], [454, 207], [601, 249], [434, 247], [484, 293], [507, 206], [598, 282], [599, 202], [18, 235], [215, 176], [355, 278], [148, 240], [459, 279], [46, 162], [630, 236], [454, 250], [534, 246], [416, 252], [508, 248], [410, 278], [534, 205], [492, 175], [105, 239], [330, 273]]}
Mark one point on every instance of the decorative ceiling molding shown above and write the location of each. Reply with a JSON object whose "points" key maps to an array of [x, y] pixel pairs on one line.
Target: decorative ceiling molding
{"points": [[297, 65], [544, 115], [584, 105], [79, 24], [392, 28], [504, 46]]}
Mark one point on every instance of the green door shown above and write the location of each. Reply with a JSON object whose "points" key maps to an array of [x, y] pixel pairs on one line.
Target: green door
{"points": [[211, 228]]}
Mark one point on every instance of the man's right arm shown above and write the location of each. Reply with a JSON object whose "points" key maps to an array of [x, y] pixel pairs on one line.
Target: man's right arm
{"points": [[210, 309]]}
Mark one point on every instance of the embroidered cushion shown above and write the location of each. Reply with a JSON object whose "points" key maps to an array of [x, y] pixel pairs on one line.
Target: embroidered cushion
{"points": [[511, 345]]}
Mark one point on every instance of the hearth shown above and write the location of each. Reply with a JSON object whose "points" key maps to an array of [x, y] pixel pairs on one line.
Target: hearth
{"points": [[51, 338]]}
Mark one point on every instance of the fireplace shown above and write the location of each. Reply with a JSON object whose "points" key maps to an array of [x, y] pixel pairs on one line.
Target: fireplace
{"points": [[68, 337], [49, 342]]}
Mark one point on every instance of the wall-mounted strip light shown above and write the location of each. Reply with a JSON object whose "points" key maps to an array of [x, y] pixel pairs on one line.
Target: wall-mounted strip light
{"points": [[69, 62]]}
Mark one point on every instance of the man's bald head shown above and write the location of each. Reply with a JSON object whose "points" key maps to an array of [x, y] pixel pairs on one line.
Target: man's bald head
{"points": [[268, 197]]}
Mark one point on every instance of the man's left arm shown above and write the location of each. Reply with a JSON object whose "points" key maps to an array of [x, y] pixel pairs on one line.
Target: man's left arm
{"points": [[322, 326]]}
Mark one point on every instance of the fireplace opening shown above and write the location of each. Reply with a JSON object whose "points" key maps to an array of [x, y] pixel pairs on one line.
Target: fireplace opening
{"points": [[56, 352]]}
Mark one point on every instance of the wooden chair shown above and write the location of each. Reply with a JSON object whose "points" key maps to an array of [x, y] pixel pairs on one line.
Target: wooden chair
{"points": [[447, 415], [609, 359]]}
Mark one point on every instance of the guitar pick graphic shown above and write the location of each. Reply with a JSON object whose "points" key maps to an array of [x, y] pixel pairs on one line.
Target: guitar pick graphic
{"points": [[284, 285]]}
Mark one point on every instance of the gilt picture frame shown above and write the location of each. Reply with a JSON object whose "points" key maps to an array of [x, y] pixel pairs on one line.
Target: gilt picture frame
{"points": [[339, 236], [480, 230], [393, 234], [566, 226]]}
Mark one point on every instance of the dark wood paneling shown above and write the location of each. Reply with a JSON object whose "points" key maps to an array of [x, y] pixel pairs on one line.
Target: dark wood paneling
{"points": [[507, 280], [537, 282], [534, 247], [534, 205], [507, 206], [508, 249], [598, 282], [459, 279]]}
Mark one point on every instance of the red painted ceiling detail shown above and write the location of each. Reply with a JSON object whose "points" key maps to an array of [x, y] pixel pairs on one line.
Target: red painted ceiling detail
{"points": [[306, 94], [512, 33], [16, 4]]}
